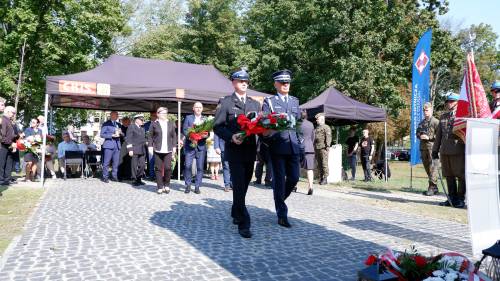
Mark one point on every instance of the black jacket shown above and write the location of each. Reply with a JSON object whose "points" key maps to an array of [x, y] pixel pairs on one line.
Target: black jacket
{"points": [[155, 136], [136, 139], [7, 132], [228, 110]]}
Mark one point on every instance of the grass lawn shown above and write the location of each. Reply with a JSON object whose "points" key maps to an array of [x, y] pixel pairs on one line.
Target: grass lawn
{"points": [[16, 204], [400, 179], [396, 193]]}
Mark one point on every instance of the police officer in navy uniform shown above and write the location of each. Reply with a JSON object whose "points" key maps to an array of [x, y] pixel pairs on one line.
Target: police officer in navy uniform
{"points": [[239, 152], [111, 132], [285, 147]]}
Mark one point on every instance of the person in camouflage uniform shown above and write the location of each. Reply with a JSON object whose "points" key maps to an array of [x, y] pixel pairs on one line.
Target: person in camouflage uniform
{"points": [[451, 150], [426, 133], [322, 143]]}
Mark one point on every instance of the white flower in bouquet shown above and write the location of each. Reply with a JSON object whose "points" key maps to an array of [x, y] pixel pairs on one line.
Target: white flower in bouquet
{"points": [[451, 276], [433, 279], [38, 138], [438, 273], [30, 139]]}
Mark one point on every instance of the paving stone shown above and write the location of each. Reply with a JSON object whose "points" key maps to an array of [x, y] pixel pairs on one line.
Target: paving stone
{"points": [[88, 230]]}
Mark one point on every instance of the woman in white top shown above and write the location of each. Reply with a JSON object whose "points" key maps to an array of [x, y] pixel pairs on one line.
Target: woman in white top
{"points": [[162, 142]]}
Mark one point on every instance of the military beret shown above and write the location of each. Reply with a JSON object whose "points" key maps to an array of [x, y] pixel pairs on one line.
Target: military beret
{"points": [[284, 76]]}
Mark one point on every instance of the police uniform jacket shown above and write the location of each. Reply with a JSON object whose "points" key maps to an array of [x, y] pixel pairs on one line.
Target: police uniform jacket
{"points": [[225, 126], [447, 143], [288, 141], [429, 128], [323, 137], [107, 130], [136, 139]]}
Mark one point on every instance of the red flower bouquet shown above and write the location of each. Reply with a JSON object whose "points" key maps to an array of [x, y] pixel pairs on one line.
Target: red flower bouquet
{"points": [[200, 131], [258, 123]]}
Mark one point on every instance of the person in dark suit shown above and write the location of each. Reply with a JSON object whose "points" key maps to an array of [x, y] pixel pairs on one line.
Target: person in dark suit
{"points": [[124, 168], [8, 145], [239, 152], [307, 131], [136, 147], [111, 132], [284, 146], [191, 153], [151, 159], [162, 143], [219, 145], [263, 159]]}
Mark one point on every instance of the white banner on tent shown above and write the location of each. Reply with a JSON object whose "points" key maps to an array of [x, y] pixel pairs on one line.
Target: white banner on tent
{"points": [[482, 181]]}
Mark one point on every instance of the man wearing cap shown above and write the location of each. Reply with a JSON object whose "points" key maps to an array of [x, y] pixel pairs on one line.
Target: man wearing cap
{"points": [[111, 132], [451, 150], [136, 147], [284, 146], [495, 93], [426, 133], [239, 152], [191, 153], [321, 146]]}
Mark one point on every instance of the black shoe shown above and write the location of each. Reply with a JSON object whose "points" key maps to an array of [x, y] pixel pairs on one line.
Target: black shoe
{"points": [[5, 183], [105, 180], [188, 189], [257, 182], [323, 182], [460, 204], [114, 179], [197, 190], [13, 180], [284, 222], [445, 203], [294, 189], [140, 182], [136, 183], [267, 183], [310, 192], [236, 222], [245, 233]]}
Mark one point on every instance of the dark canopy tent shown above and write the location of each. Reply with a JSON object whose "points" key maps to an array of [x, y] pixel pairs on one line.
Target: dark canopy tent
{"points": [[135, 84], [124, 83], [341, 110]]}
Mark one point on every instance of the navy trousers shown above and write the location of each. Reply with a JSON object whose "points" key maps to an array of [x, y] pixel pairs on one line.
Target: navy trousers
{"points": [[111, 155], [286, 172], [226, 174], [241, 174], [199, 155]]}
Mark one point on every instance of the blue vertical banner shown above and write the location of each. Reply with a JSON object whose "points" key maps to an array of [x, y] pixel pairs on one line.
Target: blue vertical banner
{"points": [[420, 90]]}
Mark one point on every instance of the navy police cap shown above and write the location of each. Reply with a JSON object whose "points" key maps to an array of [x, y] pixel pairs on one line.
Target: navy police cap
{"points": [[284, 76], [240, 75]]}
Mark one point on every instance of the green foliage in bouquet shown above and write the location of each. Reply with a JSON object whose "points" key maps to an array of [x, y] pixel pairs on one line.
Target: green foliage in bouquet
{"points": [[414, 266]]}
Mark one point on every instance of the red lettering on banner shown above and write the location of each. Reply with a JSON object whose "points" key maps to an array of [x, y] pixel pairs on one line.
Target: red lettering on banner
{"points": [[77, 87]]}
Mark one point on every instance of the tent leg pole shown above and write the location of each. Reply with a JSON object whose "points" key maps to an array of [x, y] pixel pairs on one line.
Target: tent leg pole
{"points": [[44, 142], [179, 140], [385, 149]]}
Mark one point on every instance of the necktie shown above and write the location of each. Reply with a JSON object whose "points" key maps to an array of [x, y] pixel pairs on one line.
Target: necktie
{"points": [[286, 99], [243, 100]]}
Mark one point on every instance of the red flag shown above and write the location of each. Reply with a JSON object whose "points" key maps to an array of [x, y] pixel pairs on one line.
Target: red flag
{"points": [[472, 102]]}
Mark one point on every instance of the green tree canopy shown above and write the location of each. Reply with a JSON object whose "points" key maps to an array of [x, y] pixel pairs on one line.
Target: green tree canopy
{"points": [[62, 37]]}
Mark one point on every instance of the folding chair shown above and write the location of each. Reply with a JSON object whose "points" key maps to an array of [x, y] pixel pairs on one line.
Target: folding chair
{"points": [[72, 158], [90, 155]]}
